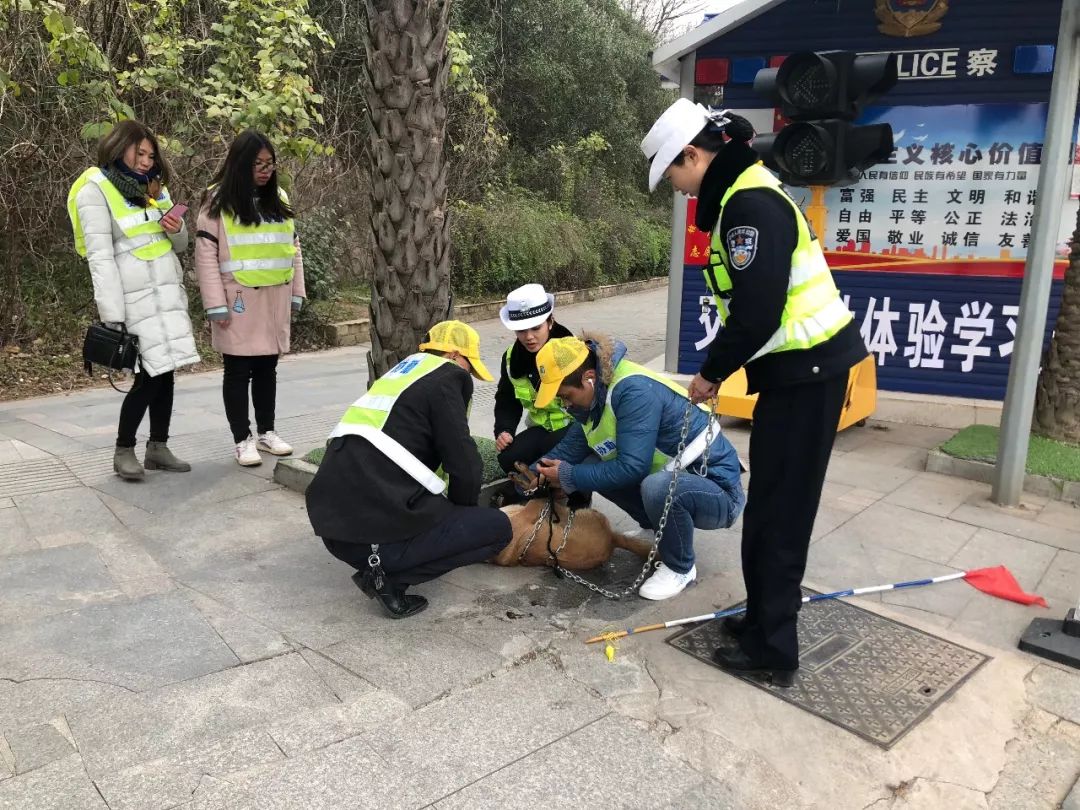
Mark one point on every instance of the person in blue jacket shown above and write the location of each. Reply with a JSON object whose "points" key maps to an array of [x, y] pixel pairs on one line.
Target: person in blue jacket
{"points": [[627, 425]]}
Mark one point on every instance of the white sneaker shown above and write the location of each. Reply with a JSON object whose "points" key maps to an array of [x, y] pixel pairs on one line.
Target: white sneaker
{"points": [[247, 453], [666, 583], [274, 444]]}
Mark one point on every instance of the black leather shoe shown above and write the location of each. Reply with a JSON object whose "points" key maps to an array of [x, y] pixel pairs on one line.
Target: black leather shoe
{"points": [[734, 626], [396, 603], [737, 662]]}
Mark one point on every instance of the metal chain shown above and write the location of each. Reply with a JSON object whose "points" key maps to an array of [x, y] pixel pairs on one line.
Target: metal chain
{"points": [[536, 528], [668, 500]]}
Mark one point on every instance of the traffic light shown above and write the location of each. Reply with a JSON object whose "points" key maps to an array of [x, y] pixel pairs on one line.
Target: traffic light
{"points": [[821, 94]]}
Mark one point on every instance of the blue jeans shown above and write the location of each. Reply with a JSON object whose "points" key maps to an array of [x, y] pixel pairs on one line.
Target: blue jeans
{"points": [[699, 502]]}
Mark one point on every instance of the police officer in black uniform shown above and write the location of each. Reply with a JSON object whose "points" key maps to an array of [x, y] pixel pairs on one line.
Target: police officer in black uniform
{"points": [[784, 321]]}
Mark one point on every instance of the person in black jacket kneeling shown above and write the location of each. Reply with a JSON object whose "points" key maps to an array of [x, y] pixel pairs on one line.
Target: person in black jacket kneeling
{"points": [[396, 494]]}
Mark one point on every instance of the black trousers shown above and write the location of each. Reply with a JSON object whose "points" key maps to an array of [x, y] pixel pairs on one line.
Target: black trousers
{"points": [[260, 372], [147, 393], [470, 535], [790, 444], [529, 446]]}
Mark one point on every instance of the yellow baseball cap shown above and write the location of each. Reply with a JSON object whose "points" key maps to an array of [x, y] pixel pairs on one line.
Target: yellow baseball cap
{"points": [[455, 336], [558, 358]]}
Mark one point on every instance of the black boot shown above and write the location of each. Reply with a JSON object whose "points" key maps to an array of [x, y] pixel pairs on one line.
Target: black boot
{"points": [[393, 598], [735, 661], [734, 626]]}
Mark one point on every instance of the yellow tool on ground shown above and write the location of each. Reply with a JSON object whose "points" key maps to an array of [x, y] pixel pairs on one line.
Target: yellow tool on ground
{"points": [[859, 404]]}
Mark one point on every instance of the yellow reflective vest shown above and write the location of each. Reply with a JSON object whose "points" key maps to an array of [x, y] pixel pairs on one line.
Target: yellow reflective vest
{"points": [[259, 255], [144, 238], [814, 310], [602, 437], [367, 416], [552, 418]]}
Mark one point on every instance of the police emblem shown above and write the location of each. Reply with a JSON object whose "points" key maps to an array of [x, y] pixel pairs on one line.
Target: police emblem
{"points": [[742, 243], [909, 18]]}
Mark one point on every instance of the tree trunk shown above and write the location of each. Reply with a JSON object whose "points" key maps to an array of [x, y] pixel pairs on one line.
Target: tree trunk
{"points": [[407, 70], [1057, 395]]}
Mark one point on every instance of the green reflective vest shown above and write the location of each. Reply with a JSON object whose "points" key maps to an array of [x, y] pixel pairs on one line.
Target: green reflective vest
{"points": [[367, 416], [259, 255], [144, 238], [552, 418], [814, 310], [602, 437]]}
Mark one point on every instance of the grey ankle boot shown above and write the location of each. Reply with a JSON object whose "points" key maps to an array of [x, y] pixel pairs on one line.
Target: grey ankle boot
{"points": [[126, 464], [160, 457]]}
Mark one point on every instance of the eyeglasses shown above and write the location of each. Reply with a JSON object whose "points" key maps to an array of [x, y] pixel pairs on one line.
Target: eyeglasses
{"points": [[259, 165]]}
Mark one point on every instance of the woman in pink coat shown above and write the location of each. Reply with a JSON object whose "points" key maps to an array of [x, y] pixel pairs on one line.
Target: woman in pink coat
{"points": [[247, 258]]}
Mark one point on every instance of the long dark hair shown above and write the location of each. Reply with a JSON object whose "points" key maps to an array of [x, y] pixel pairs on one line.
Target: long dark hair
{"points": [[234, 189], [111, 148]]}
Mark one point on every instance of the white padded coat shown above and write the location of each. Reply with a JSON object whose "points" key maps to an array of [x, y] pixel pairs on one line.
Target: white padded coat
{"points": [[148, 297]]}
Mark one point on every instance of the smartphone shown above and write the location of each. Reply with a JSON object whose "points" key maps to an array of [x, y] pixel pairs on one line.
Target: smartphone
{"points": [[177, 210]]}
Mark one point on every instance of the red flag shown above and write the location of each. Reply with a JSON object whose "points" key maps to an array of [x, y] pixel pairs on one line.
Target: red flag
{"points": [[1000, 582]]}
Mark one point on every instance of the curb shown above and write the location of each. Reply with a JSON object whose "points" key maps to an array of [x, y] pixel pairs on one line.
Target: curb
{"points": [[355, 332], [296, 474], [1055, 489]]}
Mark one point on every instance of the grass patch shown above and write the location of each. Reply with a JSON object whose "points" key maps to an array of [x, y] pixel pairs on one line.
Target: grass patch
{"points": [[486, 446], [1045, 456]]}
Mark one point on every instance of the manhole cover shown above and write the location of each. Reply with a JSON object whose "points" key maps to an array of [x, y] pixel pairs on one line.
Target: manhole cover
{"points": [[868, 674]]}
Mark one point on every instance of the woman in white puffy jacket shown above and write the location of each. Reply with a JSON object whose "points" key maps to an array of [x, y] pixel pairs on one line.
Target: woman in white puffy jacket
{"points": [[119, 212]]}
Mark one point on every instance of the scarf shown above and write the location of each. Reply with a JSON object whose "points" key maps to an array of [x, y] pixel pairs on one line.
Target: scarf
{"points": [[137, 189], [731, 161]]}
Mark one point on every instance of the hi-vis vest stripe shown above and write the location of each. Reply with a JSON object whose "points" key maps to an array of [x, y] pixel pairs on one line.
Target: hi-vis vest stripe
{"points": [[259, 255], [602, 437], [814, 310], [551, 418], [144, 238], [367, 416]]}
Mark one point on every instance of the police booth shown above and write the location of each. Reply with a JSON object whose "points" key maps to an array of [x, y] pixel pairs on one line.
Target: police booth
{"points": [[927, 249]]}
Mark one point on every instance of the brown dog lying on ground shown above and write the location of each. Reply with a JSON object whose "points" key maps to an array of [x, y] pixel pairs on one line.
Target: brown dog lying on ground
{"points": [[591, 541]]}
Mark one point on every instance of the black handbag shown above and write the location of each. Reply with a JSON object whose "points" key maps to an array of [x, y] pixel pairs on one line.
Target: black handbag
{"points": [[115, 349]]}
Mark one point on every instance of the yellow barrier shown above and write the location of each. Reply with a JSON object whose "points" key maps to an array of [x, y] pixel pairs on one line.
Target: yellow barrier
{"points": [[859, 404]]}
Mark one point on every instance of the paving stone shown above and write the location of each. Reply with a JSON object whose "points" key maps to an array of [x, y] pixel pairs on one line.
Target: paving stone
{"points": [[416, 663], [169, 781], [936, 494], [15, 535], [1040, 772], [1072, 801], [1060, 514], [927, 794], [1062, 579], [248, 639], [1001, 623], [7, 760], [41, 583], [195, 713], [1055, 691], [163, 492], [1027, 561], [344, 684], [35, 746], [743, 779], [847, 558], [857, 473], [65, 510], [151, 642], [323, 727], [430, 753], [878, 451], [617, 764], [60, 785], [979, 512], [908, 531]]}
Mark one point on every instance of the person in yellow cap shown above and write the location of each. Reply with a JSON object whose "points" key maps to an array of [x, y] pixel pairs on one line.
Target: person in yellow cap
{"points": [[627, 425], [785, 323], [396, 494]]}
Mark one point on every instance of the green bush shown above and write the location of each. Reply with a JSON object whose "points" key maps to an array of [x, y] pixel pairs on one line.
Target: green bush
{"points": [[513, 238], [323, 250]]}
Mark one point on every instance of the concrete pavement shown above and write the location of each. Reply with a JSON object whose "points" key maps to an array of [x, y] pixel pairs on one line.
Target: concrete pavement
{"points": [[187, 643]]}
